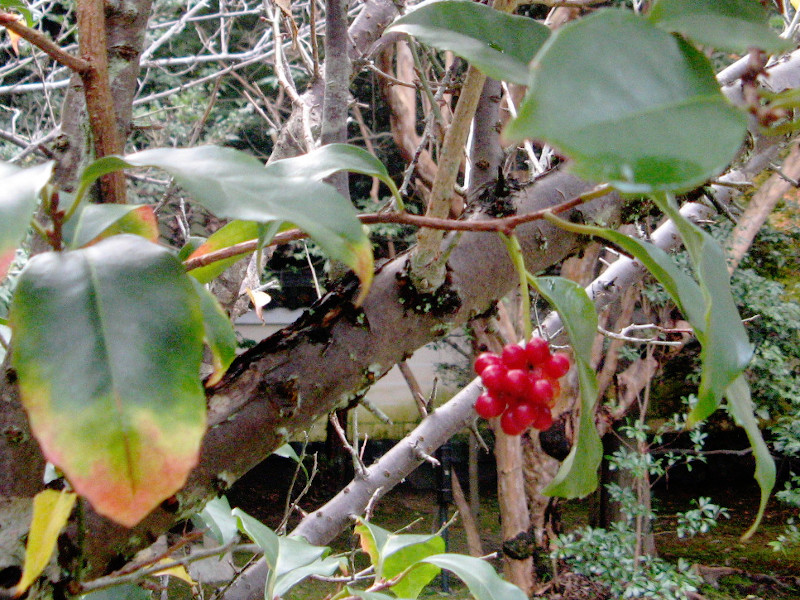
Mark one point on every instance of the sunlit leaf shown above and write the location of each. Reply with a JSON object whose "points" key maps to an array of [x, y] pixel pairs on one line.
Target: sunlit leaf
{"points": [[481, 579], [230, 234], [51, 510], [733, 25], [178, 571], [286, 451], [740, 406], [217, 517], [19, 195], [367, 595], [648, 115], [499, 44], [220, 335], [577, 475], [373, 539], [235, 185], [107, 346], [99, 221]]}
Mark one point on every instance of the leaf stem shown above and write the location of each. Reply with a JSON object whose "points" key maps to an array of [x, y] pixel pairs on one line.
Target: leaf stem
{"points": [[515, 253]]}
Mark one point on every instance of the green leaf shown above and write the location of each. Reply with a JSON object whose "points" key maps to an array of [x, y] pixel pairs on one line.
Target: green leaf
{"points": [[286, 451], [234, 185], [499, 44], [297, 560], [367, 595], [741, 407], [404, 551], [373, 539], [577, 475], [392, 553], [51, 510], [99, 221], [220, 336], [226, 236], [289, 559], [217, 517], [107, 346], [332, 158], [631, 104], [19, 195], [733, 25], [725, 347], [481, 579]]}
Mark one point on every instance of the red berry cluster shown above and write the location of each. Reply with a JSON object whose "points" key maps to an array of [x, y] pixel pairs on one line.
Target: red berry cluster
{"points": [[521, 385]]}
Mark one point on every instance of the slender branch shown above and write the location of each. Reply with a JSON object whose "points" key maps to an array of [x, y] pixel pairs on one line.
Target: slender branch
{"points": [[504, 225], [96, 89], [45, 44]]}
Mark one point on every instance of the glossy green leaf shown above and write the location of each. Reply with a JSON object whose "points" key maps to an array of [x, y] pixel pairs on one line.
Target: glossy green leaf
{"points": [[107, 346], [631, 104], [99, 221], [740, 406], [392, 553], [218, 519], [226, 236], [373, 538], [499, 44], [683, 290], [235, 185], [297, 560], [220, 336], [289, 559], [481, 579], [733, 25], [19, 195], [725, 347], [406, 550], [263, 536], [332, 158], [577, 475]]}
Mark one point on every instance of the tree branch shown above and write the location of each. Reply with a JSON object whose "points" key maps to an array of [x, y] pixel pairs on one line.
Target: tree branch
{"points": [[11, 22]]}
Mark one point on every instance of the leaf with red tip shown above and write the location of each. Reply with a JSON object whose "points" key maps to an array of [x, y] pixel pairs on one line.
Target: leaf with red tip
{"points": [[107, 348], [100, 221]]}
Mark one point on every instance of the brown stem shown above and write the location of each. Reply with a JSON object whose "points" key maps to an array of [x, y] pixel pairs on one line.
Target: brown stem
{"points": [[11, 22], [504, 225], [96, 89]]}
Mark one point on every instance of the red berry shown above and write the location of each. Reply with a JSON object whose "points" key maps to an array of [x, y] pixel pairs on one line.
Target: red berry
{"points": [[517, 419], [556, 389], [542, 392], [494, 378], [557, 366], [538, 351], [488, 407], [543, 419], [515, 357], [519, 384], [484, 360]]}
